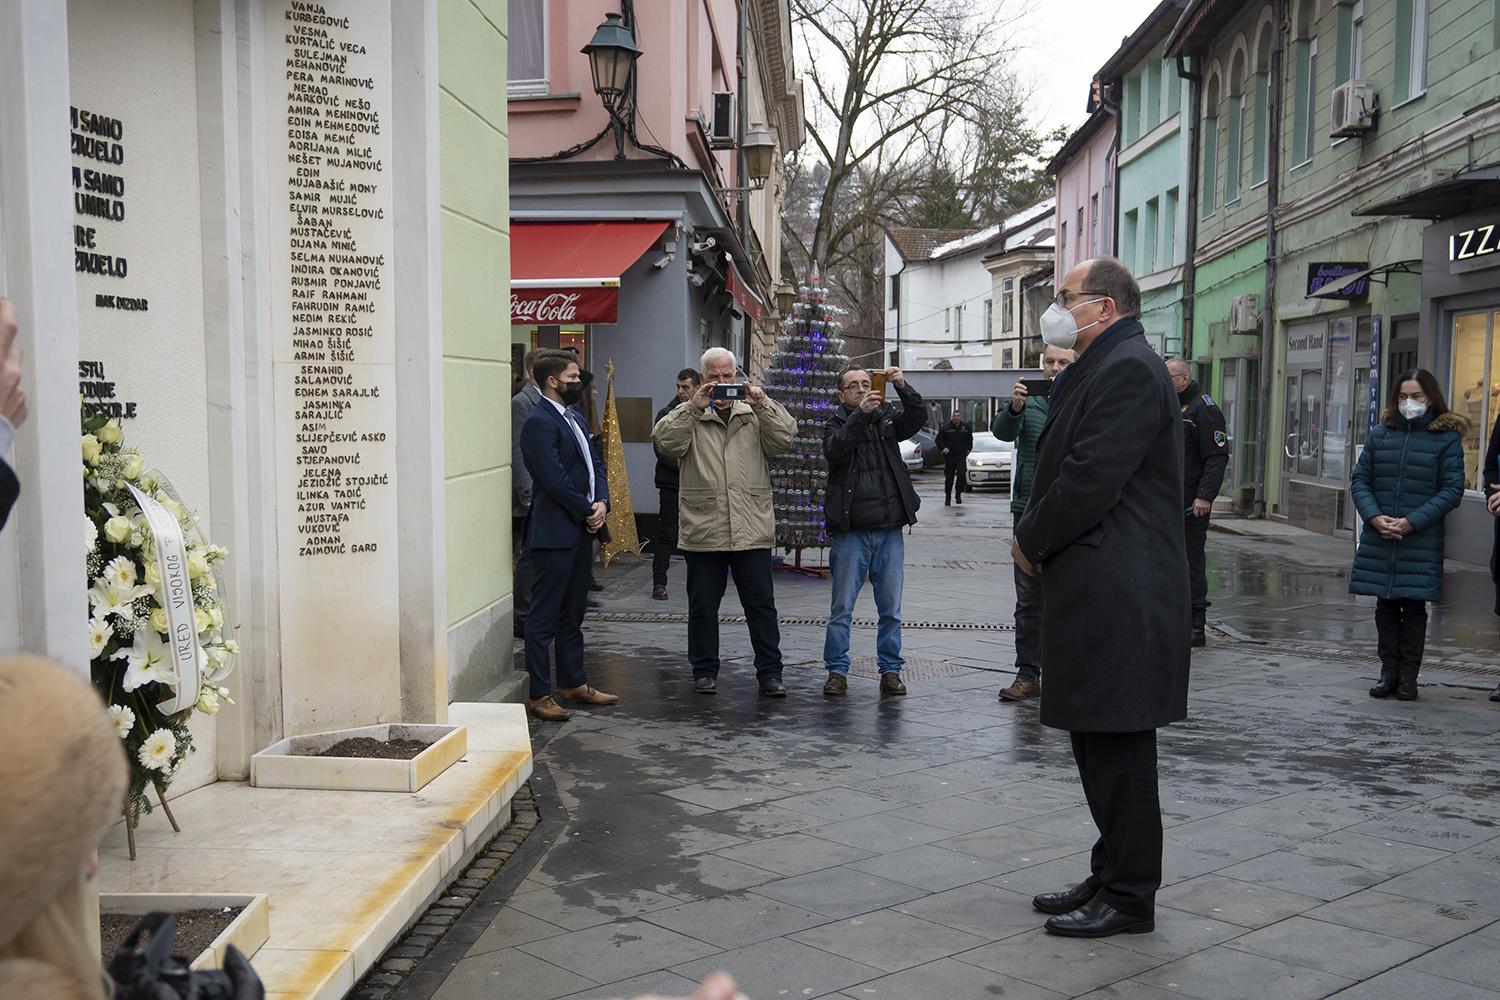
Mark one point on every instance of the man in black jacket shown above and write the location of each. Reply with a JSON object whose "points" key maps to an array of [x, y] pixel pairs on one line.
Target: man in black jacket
{"points": [[12, 406], [869, 500], [1205, 456], [688, 381], [956, 440], [1102, 530]]}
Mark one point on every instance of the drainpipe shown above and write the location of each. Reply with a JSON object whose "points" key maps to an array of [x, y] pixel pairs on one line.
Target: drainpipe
{"points": [[1190, 222], [741, 169], [1268, 301], [1113, 108]]}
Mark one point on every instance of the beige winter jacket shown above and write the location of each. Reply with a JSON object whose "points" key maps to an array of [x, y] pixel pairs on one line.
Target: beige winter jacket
{"points": [[725, 492]]}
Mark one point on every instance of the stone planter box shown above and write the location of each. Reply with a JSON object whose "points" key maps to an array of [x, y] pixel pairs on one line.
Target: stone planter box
{"points": [[287, 765], [247, 932]]}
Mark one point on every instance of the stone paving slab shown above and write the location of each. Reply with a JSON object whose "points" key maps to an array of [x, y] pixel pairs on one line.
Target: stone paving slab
{"points": [[1318, 842]]}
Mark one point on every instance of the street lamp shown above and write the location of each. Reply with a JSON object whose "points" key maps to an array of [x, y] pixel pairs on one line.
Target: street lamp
{"points": [[760, 151], [786, 298], [612, 53]]}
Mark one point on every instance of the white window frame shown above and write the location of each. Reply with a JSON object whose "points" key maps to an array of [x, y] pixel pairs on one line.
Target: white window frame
{"points": [[1357, 41], [1417, 77], [1310, 108], [534, 88]]}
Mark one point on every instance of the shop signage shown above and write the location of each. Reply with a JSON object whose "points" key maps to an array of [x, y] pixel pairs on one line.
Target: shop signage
{"points": [[1372, 404], [1471, 249], [1323, 273], [1305, 342], [559, 307]]}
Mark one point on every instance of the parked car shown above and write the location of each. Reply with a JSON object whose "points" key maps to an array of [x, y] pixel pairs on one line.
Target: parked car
{"points": [[911, 454], [932, 455], [990, 462]]}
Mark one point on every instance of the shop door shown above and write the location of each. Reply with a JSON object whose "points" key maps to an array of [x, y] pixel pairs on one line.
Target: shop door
{"points": [[1322, 403]]}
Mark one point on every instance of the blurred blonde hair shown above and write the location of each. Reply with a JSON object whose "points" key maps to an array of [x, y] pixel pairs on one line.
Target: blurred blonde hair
{"points": [[59, 937]]}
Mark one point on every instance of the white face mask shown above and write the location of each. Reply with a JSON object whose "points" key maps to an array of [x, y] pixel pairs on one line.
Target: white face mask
{"points": [[1411, 409], [1059, 328]]}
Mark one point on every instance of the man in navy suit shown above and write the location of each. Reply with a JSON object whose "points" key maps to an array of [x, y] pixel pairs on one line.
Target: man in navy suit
{"points": [[569, 502]]}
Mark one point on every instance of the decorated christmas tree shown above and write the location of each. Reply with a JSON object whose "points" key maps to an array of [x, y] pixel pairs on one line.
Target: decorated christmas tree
{"points": [[803, 376], [621, 521]]}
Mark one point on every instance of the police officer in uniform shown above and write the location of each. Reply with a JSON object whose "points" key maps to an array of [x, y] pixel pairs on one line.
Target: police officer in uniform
{"points": [[1205, 447]]}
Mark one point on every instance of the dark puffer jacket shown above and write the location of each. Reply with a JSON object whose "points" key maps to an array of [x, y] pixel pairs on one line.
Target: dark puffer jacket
{"points": [[1411, 469], [869, 488], [1024, 429]]}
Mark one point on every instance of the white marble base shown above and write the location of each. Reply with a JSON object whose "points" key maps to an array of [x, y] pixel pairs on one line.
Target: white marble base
{"points": [[290, 764], [247, 931], [347, 871]]}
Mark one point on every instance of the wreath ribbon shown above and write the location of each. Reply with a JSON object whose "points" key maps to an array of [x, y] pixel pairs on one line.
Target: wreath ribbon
{"points": [[176, 597]]}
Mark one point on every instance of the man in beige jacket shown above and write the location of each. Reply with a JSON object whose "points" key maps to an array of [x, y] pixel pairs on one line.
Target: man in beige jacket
{"points": [[725, 520]]}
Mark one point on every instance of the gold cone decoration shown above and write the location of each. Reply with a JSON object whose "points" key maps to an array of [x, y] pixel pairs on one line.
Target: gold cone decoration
{"points": [[621, 520]]}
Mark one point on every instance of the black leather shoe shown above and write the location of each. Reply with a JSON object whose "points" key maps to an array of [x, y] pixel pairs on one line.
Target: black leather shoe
{"points": [[595, 585], [1385, 687], [773, 688], [705, 685], [1407, 690], [1067, 901], [1095, 919]]}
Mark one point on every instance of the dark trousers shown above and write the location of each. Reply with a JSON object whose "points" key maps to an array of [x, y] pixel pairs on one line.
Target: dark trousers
{"points": [[1119, 780], [559, 599], [1028, 622], [1401, 625], [1195, 533], [525, 573], [707, 576], [955, 478], [666, 538]]}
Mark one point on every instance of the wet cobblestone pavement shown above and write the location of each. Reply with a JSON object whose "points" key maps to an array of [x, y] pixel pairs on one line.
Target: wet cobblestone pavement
{"points": [[1319, 843]]}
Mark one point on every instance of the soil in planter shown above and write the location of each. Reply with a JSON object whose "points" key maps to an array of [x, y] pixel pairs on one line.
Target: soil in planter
{"points": [[196, 930], [368, 746]]}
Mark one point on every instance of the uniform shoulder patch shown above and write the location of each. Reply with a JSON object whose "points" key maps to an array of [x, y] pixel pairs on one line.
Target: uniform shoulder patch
{"points": [[1220, 438], [1208, 399]]}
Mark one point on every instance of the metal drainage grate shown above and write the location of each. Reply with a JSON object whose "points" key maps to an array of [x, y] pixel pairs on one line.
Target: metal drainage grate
{"points": [[912, 670], [679, 618]]}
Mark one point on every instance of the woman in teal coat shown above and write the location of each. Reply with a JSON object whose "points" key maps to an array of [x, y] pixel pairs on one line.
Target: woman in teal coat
{"points": [[1409, 476]]}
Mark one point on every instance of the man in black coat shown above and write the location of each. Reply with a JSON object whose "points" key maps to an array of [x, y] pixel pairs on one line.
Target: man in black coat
{"points": [[957, 440], [688, 381], [1102, 530], [12, 406], [868, 501], [1205, 456]]}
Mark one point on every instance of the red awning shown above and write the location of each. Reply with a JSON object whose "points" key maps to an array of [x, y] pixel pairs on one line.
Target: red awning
{"points": [[569, 272], [744, 294]]}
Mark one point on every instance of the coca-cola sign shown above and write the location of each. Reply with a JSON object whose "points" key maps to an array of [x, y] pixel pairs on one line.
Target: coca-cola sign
{"points": [[563, 306]]}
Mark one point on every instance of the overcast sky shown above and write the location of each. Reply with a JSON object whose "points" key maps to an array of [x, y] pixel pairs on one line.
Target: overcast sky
{"points": [[1066, 41]]}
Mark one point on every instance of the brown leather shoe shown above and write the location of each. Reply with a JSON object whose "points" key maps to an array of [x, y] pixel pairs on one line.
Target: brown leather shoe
{"points": [[659, 592], [1020, 691], [890, 683], [836, 684], [590, 695], [547, 709]]}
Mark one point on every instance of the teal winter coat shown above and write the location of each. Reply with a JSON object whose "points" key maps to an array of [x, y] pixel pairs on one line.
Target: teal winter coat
{"points": [[1023, 428], [1411, 469]]}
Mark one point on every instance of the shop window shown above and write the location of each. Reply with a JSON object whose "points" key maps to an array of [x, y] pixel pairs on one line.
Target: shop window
{"points": [[1361, 411], [1411, 49], [1474, 390], [1338, 396], [526, 67], [975, 413]]}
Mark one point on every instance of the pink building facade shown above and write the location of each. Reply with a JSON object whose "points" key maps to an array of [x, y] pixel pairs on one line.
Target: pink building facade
{"points": [[1084, 172], [670, 262]]}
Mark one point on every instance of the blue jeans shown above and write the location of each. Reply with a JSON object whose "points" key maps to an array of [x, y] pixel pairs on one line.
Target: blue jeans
{"points": [[853, 556]]}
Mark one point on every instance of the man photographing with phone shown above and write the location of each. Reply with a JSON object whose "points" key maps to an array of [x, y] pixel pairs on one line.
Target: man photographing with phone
{"points": [[725, 521], [1022, 422]]}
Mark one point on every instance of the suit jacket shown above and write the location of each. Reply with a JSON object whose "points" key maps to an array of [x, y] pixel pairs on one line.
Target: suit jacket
{"points": [[10, 489], [1105, 525], [521, 405], [560, 479]]}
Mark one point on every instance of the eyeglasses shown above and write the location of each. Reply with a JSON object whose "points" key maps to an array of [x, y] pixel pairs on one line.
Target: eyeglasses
{"points": [[1062, 297]]}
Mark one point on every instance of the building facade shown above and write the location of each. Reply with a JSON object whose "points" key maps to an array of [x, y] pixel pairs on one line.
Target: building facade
{"points": [[939, 311], [1021, 285], [647, 244], [1084, 171]]}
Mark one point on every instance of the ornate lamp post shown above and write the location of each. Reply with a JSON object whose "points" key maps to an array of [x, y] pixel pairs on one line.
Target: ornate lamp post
{"points": [[612, 54]]}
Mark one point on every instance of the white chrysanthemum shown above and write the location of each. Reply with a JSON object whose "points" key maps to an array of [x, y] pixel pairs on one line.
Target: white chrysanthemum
{"points": [[99, 634], [90, 533], [119, 572], [123, 718], [146, 661], [158, 750]]}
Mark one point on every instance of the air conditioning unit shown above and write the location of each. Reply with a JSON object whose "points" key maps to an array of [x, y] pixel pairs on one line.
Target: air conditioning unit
{"points": [[723, 126], [1244, 314], [1354, 107]]}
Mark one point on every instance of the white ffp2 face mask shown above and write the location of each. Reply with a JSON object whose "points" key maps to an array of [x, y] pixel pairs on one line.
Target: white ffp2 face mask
{"points": [[1059, 328], [1411, 409]]}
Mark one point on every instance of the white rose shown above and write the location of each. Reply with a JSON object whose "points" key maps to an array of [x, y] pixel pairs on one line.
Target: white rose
{"points": [[208, 700], [216, 616], [110, 433], [153, 574], [173, 507], [201, 620], [91, 449], [133, 467], [118, 529], [159, 620], [197, 564]]}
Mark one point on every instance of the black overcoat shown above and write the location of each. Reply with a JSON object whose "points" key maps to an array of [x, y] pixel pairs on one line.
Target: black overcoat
{"points": [[1105, 525]]}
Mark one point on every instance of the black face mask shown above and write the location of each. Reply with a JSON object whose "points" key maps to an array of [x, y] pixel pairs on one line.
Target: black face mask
{"points": [[571, 392]]}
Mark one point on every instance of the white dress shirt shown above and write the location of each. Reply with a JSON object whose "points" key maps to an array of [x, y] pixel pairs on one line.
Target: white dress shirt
{"points": [[583, 441]]}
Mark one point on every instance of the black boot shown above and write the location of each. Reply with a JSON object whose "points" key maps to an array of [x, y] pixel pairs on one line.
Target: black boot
{"points": [[1388, 642], [1200, 621], [1406, 685], [1413, 642], [1386, 686]]}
